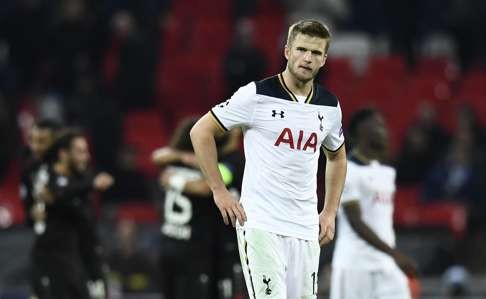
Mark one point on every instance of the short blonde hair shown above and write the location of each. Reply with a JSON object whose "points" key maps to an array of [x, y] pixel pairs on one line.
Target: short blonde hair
{"points": [[311, 28]]}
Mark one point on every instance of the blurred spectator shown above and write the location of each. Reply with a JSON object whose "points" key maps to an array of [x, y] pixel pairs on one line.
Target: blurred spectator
{"points": [[129, 265], [243, 62], [244, 8], [403, 28], [457, 176], [368, 16], [131, 182], [466, 23], [454, 177], [8, 74], [6, 136], [424, 144], [135, 78], [91, 108], [23, 24], [70, 45]]}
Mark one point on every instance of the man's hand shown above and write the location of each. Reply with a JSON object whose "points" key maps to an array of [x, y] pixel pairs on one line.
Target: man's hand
{"points": [[102, 181], [327, 228], [229, 206], [406, 264]]}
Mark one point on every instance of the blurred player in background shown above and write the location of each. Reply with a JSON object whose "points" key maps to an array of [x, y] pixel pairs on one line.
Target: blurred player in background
{"points": [[286, 119], [67, 252], [40, 138], [199, 257], [365, 262]]}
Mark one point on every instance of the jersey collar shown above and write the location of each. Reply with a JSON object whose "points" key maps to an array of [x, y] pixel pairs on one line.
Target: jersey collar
{"points": [[291, 94]]}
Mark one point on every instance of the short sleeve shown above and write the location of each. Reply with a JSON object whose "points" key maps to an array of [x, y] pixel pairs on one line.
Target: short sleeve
{"points": [[238, 110], [351, 191], [335, 139]]}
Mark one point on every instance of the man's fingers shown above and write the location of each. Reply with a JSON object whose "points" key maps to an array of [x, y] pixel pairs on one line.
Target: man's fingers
{"points": [[239, 214], [232, 216], [240, 207], [225, 217], [322, 232]]}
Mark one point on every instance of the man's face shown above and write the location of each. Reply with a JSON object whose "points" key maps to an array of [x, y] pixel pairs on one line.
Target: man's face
{"points": [[376, 132], [78, 155], [40, 141], [305, 56]]}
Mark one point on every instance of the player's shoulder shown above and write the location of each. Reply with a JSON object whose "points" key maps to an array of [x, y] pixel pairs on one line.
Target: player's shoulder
{"points": [[271, 87], [324, 97], [247, 90], [388, 169]]}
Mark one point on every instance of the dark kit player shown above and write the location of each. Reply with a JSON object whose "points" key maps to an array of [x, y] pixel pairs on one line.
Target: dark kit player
{"points": [[67, 252]]}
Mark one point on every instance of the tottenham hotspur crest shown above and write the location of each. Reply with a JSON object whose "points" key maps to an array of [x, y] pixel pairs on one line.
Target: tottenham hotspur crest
{"points": [[320, 117], [268, 290]]}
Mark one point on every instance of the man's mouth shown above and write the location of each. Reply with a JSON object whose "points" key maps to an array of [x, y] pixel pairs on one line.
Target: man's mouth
{"points": [[305, 68]]}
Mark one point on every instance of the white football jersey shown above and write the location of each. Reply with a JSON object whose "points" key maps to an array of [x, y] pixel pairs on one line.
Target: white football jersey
{"points": [[282, 140], [372, 186]]}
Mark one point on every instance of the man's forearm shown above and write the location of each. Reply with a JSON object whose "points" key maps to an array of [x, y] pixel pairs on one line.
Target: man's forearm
{"points": [[206, 153], [367, 234], [335, 177]]}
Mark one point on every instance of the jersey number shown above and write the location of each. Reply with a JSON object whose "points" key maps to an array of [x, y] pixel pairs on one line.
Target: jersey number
{"points": [[178, 208]]}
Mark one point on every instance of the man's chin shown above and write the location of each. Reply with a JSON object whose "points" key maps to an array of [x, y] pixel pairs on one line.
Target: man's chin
{"points": [[304, 77]]}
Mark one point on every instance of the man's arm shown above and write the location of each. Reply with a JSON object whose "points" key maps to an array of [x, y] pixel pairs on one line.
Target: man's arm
{"points": [[353, 213], [202, 137], [335, 177], [166, 155]]}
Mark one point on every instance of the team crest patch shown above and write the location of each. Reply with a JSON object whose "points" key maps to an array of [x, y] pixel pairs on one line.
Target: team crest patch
{"points": [[268, 290], [320, 117]]}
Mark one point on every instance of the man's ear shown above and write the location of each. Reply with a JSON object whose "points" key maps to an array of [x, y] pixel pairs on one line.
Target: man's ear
{"points": [[287, 51], [324, 60]]}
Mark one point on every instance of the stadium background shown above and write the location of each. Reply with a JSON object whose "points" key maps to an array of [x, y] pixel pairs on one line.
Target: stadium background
{"points": [[127, 71]]}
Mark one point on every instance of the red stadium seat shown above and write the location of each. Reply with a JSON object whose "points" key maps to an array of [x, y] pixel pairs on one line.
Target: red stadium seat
{"points": [[410, 212], [440, 67], [387, 67], [144, 131], [473, 92], [11, 208]]}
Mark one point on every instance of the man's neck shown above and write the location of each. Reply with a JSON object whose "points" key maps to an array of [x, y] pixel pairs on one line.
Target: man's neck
{"points": [[365, 154], [296, 86], [62, 169]]}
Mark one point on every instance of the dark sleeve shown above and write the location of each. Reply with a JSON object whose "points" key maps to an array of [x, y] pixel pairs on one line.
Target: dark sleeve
{"points": [[75, 189]]}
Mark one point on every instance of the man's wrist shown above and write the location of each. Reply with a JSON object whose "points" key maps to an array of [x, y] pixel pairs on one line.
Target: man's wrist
{"points": [[329, 212], [218, 188]]}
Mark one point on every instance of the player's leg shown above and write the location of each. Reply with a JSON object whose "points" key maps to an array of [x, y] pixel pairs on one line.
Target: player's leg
{"points": [[263, 263], [392, 284], [303, 265], [351, 284]]}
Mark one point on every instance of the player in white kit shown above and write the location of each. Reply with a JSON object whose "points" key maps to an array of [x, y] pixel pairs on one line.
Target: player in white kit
{"points": [[286, 120], [365, 262]]}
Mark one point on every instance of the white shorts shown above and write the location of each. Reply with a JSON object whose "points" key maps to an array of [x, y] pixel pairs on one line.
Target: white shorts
{"points": [[348, 283], [276, 266]]}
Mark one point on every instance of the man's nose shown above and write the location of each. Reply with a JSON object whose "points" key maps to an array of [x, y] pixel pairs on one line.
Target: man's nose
{"points": [[307, 56]]}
